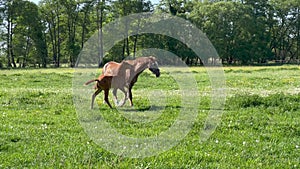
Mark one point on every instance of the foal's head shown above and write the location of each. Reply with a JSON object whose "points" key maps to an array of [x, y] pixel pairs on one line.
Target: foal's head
{"points": [[153, 66]]}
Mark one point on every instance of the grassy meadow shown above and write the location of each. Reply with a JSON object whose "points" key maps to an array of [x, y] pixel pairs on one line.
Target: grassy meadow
{"points": [[259, 128]]}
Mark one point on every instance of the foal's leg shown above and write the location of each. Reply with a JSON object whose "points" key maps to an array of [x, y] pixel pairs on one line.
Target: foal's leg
{"points": [[106, 92], [94, 96]]}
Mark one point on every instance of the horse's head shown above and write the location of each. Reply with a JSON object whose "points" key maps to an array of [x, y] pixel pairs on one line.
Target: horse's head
{"points": [[153, 66]]}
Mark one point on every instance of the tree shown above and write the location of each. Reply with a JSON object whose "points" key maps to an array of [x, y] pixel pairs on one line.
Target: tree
{"points": [[260, 35], [23, 32], [239, 31], [33, 29], [123, 8], [139, 7], [70, 14], [285, 32], [219, 21], [51, 10], [175, 7], [8, 8], [100, 5], [84, 19]]}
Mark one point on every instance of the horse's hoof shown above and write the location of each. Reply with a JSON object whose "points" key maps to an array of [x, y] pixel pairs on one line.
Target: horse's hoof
{"points": [[121, 104]]}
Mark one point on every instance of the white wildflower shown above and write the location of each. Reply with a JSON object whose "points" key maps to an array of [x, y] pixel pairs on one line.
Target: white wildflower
{"points": [[44, 126]]}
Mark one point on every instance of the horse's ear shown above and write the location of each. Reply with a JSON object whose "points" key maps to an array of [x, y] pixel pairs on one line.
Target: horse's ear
{"points": [[153, 58]]}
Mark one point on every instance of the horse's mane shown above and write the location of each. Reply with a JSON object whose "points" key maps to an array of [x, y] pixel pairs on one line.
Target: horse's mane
{"points": [[140, 59]]}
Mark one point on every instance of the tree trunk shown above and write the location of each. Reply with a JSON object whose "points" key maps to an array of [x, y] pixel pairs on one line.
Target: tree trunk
{"points": [[123, 51], [135, 45], [298, 35], [127, 47], [84, 27], [8, 41], [45, 52], [53, 38], [11, 46], [58, 36], [100, 31], [27, 48], [136, 38]]}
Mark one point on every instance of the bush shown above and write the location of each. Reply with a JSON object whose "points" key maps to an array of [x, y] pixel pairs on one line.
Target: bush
{"points": [[282, 101]]}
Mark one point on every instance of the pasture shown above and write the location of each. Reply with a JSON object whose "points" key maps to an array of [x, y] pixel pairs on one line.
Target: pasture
{"points": [[260, 126]]}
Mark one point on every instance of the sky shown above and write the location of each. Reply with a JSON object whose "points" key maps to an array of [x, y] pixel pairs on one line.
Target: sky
{"points": [[35, 1]]}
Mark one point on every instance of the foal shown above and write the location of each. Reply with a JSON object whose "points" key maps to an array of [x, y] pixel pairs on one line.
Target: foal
{"points": [[103, 83]]}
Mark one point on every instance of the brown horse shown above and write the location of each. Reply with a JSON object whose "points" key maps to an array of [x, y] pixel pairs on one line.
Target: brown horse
{"points": [[117, 80], [130, 74]]}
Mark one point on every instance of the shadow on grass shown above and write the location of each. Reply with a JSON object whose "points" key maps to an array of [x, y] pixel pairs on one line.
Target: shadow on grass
{"points": [[150, 108]]}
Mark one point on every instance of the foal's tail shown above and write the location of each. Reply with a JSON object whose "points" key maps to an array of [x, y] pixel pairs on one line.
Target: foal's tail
{"points": [[91, 81]]}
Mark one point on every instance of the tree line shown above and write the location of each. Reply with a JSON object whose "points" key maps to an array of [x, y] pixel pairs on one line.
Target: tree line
{"points": [[53, 32]]}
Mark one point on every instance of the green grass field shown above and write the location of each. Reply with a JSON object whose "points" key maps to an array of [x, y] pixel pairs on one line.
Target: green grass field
{"points": [[260, 126]]}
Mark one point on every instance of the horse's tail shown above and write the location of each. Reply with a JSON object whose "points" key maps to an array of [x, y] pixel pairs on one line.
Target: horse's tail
{"points": [[105, 67]]}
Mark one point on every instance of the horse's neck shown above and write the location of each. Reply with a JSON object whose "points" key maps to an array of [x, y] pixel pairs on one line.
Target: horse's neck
{"points": [[140, 68]]}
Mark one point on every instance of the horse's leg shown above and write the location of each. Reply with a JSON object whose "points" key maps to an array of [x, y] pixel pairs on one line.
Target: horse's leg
{"points": [[106, 92], [134, 80], [125, 97], [130, 95], [115, 96], [94, 96]]}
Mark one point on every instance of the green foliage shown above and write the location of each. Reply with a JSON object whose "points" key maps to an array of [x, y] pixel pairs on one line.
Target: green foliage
{"points": [[237, 30], [54, 31]]}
